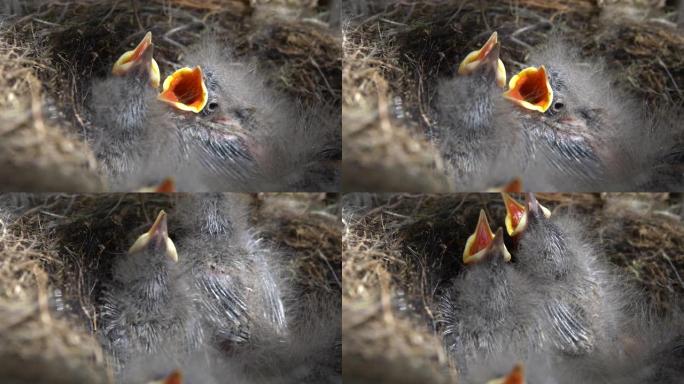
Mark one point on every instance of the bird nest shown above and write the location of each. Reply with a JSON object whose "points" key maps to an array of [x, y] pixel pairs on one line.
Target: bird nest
{"points": [[396, 51], [50, 50], [51, 268], [399, 249]]}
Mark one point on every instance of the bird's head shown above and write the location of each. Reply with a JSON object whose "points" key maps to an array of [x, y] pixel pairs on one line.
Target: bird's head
{"points": [[518, 215], [200, 101], [484, 244], [561, 107], [485, 62], [139, 63], [156, 240]]}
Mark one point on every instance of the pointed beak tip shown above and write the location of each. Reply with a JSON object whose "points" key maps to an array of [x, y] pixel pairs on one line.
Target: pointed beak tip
{"points": [[516, 215], [479, 241]]}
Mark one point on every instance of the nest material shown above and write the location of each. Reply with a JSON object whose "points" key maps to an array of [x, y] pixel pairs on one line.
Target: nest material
{"points": [[37, 345], [398, 250], [36, 153], [308, 225], [396, 51], [52, 263], [52, 50]]}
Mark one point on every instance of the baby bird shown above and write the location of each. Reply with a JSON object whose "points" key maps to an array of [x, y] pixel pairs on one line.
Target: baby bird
{"points": [[575, 129], [119, 106], [237, 134], [579, 300], [466, 107], [145, 308], [239, 291], [479, 312]]}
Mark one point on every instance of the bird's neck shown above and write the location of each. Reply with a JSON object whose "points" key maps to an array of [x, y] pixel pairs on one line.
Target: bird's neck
{"points": [[150, 281]]}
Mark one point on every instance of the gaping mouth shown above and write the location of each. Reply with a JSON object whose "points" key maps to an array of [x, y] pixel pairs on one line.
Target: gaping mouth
{"points": [[515, 376], [531, 89], [476, 58], [167, 185], [481, 242], [139, 56], [185, 90], [517, 214]]}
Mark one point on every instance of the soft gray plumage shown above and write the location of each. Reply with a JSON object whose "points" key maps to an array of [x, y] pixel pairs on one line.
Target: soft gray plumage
{"points": [[240, 293], [467, 137], [250, 137], [579, 303], [650, 350], [480, 312], [147, 303], [593, 137], [119, 106]]}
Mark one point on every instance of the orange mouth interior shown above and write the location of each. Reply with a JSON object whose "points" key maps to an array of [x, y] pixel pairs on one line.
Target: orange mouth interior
{"points": [[479, 241], [185, 90], [516, 215], [531, 89]]}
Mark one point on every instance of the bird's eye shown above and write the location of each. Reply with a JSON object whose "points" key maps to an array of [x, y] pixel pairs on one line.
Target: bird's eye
{"points": [[212, 106], [557, 106]]}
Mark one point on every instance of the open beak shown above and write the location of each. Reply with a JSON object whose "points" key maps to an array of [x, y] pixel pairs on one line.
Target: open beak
{"points": [[487, 55], [482, 241], [167, 185], [140, 57], [174, 377], [531, 89], [516, 376], [185, 90], [157, 236], [517, 216], [515, 186]]}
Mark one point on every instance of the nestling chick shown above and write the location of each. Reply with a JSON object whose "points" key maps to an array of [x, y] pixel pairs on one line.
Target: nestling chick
{"points": [[480, 313], [239, 291], [579, 304], [578, 132], [235, 133], [466, 106], [119, 106], [145, 307]]}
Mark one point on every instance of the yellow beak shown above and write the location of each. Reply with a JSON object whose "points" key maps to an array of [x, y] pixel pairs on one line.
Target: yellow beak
{"points": [[130, 59], [482, 241], [158, 233], [475, 58], [516, 376]]}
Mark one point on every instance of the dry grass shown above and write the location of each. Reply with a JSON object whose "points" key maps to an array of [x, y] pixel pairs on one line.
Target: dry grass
{"points": [[37, 344], [54, 255], [398, 250], [396, 51], [53, 49]]}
